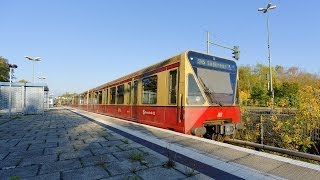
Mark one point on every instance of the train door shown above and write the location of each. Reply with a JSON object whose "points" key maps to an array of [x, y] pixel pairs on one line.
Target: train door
{"points": [[135, 101], [172, 111], [129, 96]]}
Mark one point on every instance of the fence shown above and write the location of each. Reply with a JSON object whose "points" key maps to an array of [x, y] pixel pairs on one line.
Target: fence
{"points": [[26, 98], [259, 127]]}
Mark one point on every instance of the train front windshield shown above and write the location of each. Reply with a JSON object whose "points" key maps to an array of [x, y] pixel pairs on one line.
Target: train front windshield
{"points": [[217, 77]]}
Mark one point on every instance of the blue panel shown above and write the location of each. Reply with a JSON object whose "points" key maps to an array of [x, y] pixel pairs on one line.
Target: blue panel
{"points": [[211, 62]]}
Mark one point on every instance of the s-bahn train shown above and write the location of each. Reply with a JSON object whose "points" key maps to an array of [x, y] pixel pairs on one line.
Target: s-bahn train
{"points": [[191, 93]]}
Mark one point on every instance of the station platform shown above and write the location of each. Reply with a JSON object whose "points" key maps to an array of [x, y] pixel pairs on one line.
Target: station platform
{"points": [[211, 158]]}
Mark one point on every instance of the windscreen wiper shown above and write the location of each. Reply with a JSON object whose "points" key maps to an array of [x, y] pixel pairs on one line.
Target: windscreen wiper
{"points": [[209, 93]]}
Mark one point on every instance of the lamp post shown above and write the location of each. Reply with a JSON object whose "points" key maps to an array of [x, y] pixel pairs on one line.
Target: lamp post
{"points": [[11, 66], [266, 11], [34, 60]]}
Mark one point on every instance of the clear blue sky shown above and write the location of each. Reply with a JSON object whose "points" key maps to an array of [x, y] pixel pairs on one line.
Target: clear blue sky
{"points": [[84, 44]]}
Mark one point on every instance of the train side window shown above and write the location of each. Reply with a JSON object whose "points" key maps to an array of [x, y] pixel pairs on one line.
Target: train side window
{"points": [[149, 90], [173, 87], [107, 95], [100, 97], [96, 98], [120, 94], [135, 92], [129, 91], [194, 93], [113, 95]]}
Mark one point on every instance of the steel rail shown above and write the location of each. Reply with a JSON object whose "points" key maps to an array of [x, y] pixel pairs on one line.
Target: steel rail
{"points": [[275, 149]]}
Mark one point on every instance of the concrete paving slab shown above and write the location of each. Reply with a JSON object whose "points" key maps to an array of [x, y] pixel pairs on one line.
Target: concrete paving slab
{"points": [[92, 140], [38, 160], [24, 142], [289, 171], [42, 146], [26, 154], [126, 147], [58, 150], [89, 146], [105, 150], [228, 154], [123, 167], [98, 160], [21, 172], [92, 172], [50, 176], [60, 166], [160, 173], [111, 143], [126, 176], [130, 154], [260, 163], [74, 155], [10, 162]]}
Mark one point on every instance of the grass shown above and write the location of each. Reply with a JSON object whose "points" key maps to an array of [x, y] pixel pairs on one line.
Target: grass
{"points": [[14, 178], [133, 169], [190, 172], [126, 141], [132, 177], [170, 163], [18, 162], [101, 162], [136, 156]]}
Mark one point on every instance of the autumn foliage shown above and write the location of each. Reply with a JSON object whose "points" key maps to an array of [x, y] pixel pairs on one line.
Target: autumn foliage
{"points": [[294, 90]]}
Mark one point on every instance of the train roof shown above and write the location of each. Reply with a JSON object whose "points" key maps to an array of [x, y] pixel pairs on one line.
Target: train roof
{"points": [[168, 61]]}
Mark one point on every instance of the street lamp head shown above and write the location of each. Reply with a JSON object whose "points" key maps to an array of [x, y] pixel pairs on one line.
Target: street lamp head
{"points": [[269, 7], [33, 59], [13, 66], [272, 7], [37, 59], [42, 77], [29, 58]]}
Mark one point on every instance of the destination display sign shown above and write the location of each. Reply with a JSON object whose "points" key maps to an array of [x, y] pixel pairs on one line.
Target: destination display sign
{"points": [[211, 62]]}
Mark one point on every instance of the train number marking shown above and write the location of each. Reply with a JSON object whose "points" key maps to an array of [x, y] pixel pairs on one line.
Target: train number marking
{"points": [[219, 114]]}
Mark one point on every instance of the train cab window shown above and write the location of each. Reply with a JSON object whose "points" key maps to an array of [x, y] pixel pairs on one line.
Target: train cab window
{"points": [[120, 94], [113, 95], [107, 96], [194, 93], [173, 87], [149, 90]]}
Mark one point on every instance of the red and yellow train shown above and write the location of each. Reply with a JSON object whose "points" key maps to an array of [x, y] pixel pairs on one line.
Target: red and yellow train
{"points": [[191, 93]]}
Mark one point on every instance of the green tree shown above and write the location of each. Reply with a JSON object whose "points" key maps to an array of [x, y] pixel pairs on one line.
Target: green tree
{"points": [[259, 95], [286, 95], [24, 81], [4, 69]]}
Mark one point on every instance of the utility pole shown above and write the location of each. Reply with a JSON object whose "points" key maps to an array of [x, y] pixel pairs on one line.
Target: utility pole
{"points": [[266, 11]]}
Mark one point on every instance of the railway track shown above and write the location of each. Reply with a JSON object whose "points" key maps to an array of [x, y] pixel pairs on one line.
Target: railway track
{"points": [[274, 149]]}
